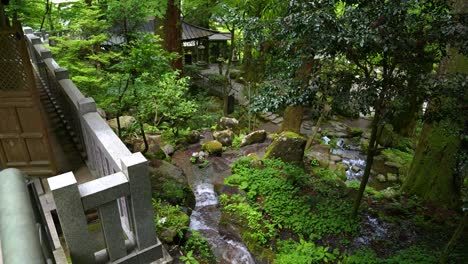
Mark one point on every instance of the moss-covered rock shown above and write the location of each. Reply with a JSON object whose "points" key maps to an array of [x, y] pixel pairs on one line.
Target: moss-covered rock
{"points": [[193, 137], [228, 123], [225, 137], [258, 136], [364, 144], [213, 147], [289, 147], [388, 137], [169, 183], [354, 131], [292, 119]]}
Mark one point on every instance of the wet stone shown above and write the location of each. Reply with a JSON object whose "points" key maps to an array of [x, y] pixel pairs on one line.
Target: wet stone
{"points": [[381, 178], [335, 158], [392, 177]]}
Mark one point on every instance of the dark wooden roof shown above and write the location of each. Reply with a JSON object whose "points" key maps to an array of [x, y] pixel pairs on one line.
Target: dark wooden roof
{"points": [[192, 32], [189, 32]]}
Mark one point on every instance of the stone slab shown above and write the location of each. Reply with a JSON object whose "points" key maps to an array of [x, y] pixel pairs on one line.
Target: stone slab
{"points": [[103, 190]]}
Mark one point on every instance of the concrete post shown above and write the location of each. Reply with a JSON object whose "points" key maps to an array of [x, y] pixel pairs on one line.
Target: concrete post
{"points": [[61, 74], [135, 167], [112, 230], [87, 105], [72, 218]]}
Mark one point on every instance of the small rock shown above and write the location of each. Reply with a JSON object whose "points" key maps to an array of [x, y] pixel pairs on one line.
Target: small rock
{"points": [[337, 134], [101, 113], [393, 164], [193, 137], [389, 193], [125, 122], [335, 158], [228, 123], [258, 136], [356, 168], [225, 137], [277, 120], [253, 156], [168, 149], [392, 177], [381, 178], [257, 164], [168, 235]]}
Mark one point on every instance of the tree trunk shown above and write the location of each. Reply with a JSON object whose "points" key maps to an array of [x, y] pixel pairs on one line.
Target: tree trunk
{"points": [[375, 134], [145, 141], [405, 122], [227, 85], [292, 119], [431, 175], [325, 110], [173, 32]]}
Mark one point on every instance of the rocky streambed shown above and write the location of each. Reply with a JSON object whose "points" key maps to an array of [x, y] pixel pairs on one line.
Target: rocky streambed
{"points": [[205, 217]]}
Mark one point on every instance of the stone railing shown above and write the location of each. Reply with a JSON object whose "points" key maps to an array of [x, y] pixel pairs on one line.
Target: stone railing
{"points": [[121, 193]]}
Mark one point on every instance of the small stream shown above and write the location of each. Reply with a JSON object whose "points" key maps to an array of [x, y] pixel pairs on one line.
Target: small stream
{"points": [[206, 215], [205, 219], [352, 157]]}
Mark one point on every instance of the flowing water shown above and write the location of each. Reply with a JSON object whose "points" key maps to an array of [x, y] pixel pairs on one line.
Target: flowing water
{"points": [[206, 215], [351, 156], [205, 219]]}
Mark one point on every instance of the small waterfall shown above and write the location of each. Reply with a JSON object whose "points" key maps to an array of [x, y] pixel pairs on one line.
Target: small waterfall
{"points": [[352, 157]]}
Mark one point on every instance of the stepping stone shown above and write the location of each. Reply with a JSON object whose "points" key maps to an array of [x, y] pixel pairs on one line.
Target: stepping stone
{"points": [[273, 116], [277, 120]]}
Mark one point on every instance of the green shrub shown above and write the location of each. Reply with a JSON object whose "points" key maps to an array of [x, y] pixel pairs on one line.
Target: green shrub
{"points": [[216, 79], [291, 252], [413, 255], [258, 228], [276, 187], [199, 247], [367, 256], [169, 217]]}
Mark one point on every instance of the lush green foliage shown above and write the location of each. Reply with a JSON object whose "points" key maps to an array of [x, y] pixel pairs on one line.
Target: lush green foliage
{"points": [[291, 252], [170, 217], [189, 258], [275, 190], [258, 229], [199, 247]]}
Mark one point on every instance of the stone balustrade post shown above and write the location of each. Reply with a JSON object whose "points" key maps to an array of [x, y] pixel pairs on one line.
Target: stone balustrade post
{"points": [[67, 199], [87, 105], [135, 167]]}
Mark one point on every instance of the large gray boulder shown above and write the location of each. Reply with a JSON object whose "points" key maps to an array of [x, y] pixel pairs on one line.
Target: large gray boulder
{"points": [[125, 122], [225, 137], [288, 146], [258, 136], [168, 182]]}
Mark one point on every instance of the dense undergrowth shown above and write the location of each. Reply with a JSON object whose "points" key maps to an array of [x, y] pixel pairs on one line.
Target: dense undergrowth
{"points": [[286, 215]]}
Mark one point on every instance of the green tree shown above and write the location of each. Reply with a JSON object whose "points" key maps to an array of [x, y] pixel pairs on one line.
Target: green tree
{"points": [[390, 44], [439, 166]]}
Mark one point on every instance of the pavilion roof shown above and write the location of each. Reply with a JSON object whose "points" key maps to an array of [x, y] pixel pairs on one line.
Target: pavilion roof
{"points": [[193, 32]]}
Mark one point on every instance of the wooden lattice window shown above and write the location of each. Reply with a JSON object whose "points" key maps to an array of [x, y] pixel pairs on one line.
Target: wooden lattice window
{"points": [[13, 76]]}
